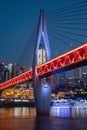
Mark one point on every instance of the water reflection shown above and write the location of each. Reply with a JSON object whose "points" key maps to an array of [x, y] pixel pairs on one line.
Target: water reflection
{"points": [[66, 110], [18, 111], [61, 110], [25, 118], [42, 123], [79, 112]]}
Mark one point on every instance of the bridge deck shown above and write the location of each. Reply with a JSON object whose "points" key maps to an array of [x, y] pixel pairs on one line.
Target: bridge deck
{"points": [[69, 60]]}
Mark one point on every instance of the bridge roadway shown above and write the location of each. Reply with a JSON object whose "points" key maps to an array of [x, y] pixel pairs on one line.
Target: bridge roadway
{"points": [[69, 60]]}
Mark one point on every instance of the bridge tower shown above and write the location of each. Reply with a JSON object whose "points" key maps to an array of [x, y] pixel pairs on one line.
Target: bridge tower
{"points": [[42, 90]]}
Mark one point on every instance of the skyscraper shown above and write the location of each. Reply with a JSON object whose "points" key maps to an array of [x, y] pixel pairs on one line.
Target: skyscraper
{"points": [[41, 55], [77, 72]]}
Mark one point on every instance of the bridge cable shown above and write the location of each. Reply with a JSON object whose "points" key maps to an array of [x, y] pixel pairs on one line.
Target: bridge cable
{"points": [[59, 39], [63, 31], [28, 50], [68, 8], [64, 36]]}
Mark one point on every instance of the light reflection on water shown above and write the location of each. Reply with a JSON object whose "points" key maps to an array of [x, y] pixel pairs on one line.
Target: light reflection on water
{"points": [[67, 110], [18, 111], [25, 118], [59, 110]]}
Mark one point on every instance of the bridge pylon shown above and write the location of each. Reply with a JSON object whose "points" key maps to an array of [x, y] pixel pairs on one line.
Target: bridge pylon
{"points": [[42, 91]]}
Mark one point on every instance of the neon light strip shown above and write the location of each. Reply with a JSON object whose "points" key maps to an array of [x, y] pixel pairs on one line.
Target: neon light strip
{"points": [[71, 57]]}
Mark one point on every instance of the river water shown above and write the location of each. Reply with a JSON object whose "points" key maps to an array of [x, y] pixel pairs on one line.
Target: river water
{"points": [[62, 117]]}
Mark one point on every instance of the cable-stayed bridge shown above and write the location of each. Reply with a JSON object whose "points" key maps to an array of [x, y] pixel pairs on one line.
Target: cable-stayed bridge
{"points": [[67, 26]]}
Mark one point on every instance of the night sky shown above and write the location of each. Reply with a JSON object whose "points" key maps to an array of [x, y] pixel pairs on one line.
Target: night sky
{"points": [[17, 20]]}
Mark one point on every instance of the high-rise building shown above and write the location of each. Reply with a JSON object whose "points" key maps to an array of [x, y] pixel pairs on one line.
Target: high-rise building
{"points": [[10, 66], [1, 71], [84, 79], [6, 73], [63, 79], [77, 72], [41, 55]]}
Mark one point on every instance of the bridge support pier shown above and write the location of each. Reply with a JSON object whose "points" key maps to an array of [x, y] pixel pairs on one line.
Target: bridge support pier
{"points": [[42, 93]]}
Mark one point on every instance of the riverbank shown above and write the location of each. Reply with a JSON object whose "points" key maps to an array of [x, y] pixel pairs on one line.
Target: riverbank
{"points": [[16, 103]]}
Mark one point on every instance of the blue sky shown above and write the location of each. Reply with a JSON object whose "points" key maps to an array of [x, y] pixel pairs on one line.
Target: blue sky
{"points": [[17, 20]]}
